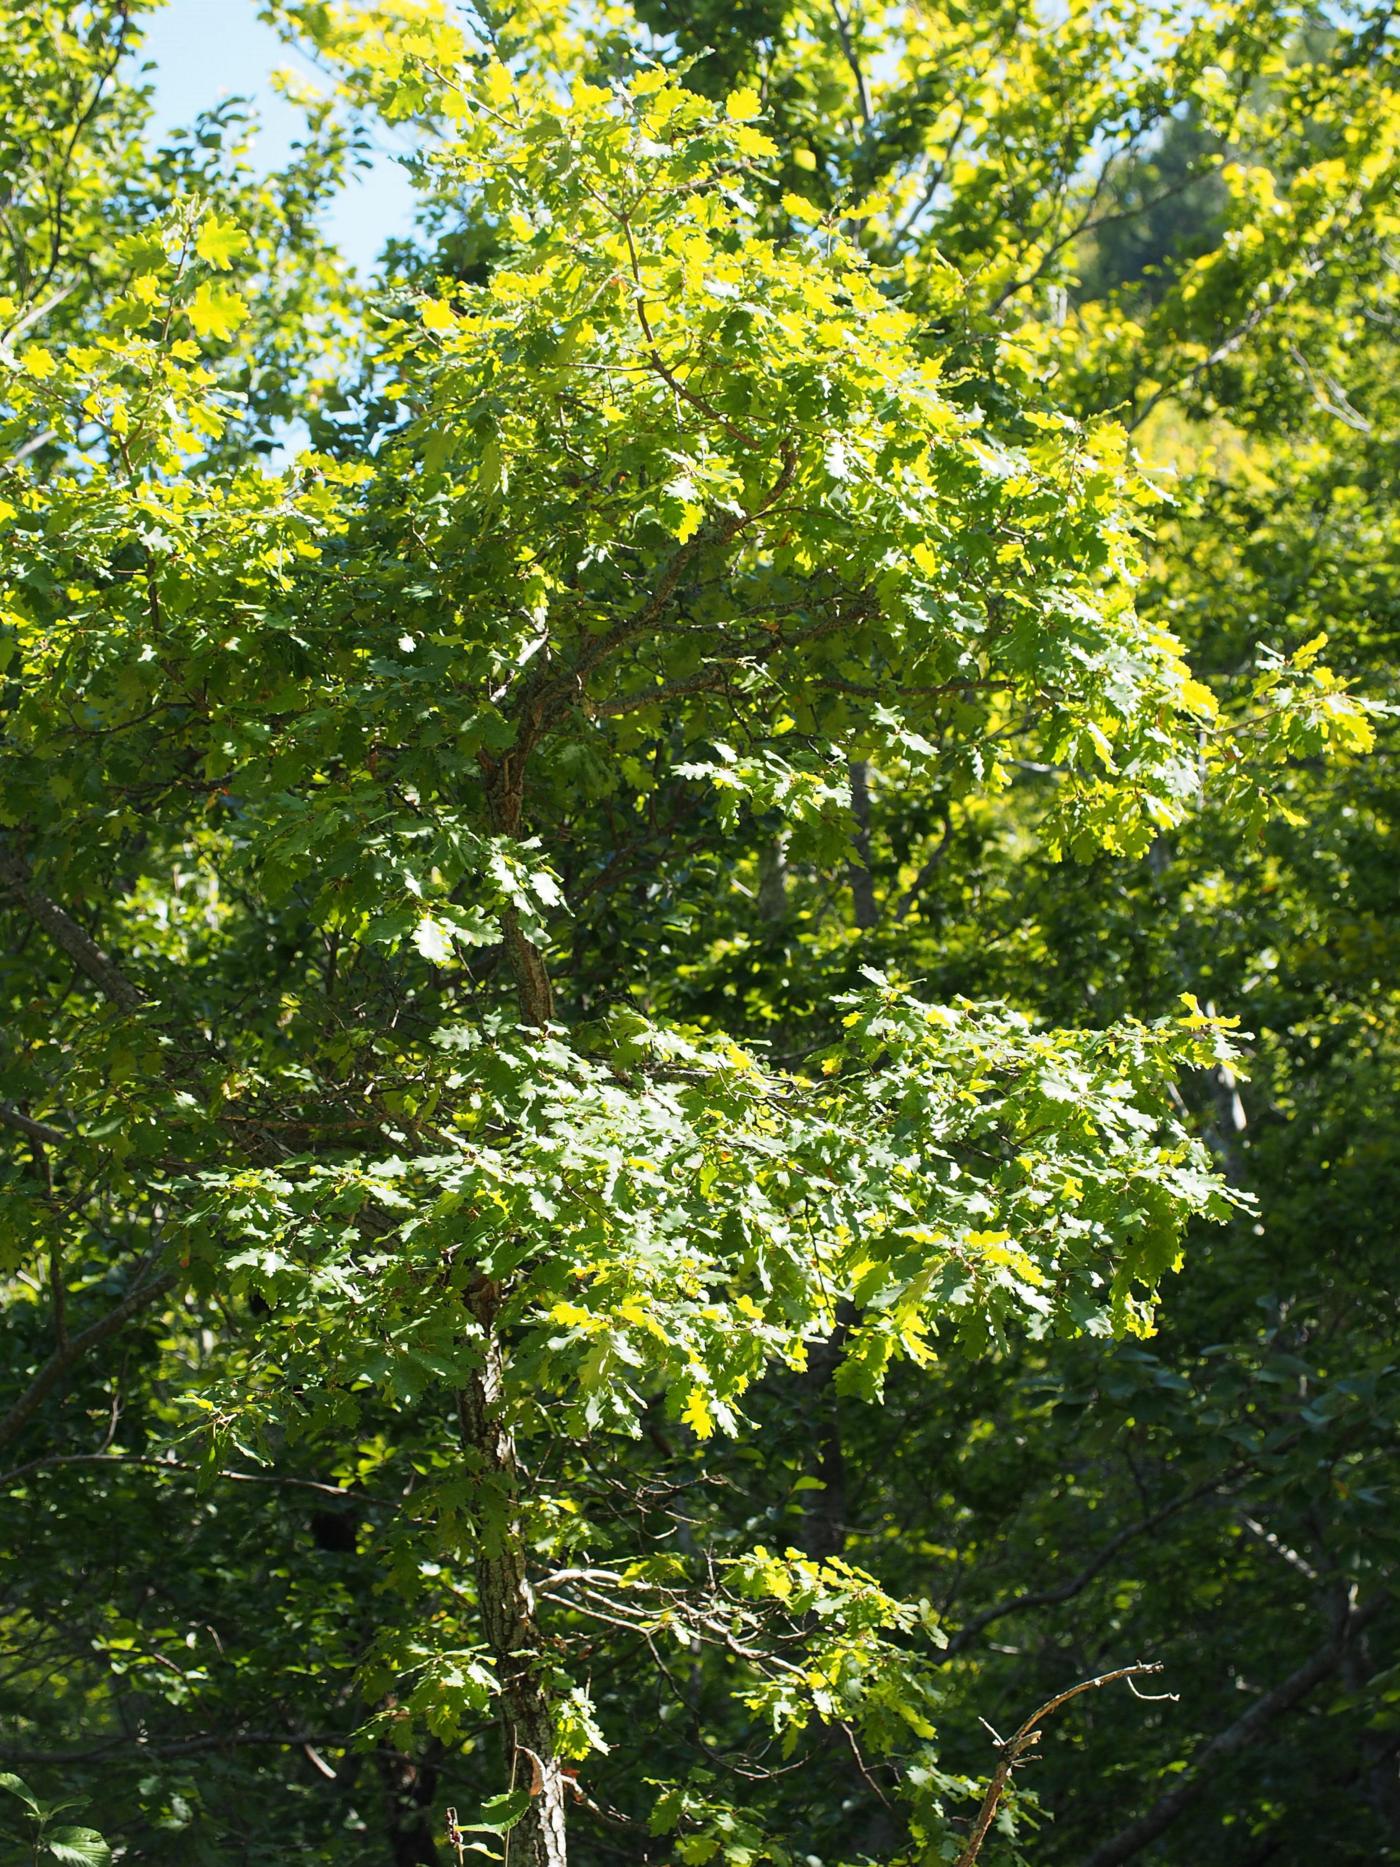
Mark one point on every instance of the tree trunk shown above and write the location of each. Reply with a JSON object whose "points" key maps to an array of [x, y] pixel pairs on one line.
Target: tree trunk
{"points": [[863, 903], [772, 879], [823, 1532], [823, 1537], [506, 1600]]}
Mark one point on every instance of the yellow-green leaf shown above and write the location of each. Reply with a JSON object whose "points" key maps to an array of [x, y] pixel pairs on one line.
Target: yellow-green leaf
{"points": [[697, 1415], [754, 143], [216, 310], [498, 85], [219, 242], [437, 315]]}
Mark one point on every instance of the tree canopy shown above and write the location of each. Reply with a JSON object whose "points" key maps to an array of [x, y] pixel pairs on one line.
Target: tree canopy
{"points": [[699, 1039]]}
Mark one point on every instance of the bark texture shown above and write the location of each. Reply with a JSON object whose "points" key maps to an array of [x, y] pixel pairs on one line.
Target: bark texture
{"points": [[506, 1600]]}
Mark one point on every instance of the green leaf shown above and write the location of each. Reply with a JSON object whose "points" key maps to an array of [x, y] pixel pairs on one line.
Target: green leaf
{"points": [[501, 1813], [17, 1786], [433, 942], [78, 1847]]}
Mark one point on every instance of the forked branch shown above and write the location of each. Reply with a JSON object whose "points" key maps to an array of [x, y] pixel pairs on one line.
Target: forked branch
{"points": [[1013, 1749]]}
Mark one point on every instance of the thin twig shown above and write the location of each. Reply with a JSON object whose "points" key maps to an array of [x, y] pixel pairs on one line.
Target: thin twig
{"points": [[183, 1466]]}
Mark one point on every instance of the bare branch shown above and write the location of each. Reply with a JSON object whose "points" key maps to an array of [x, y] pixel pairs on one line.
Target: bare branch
{"points": [[274, 1479], [1066, 1591], [64, 931], [852, 56], [17, 1418], [11, 1117], [909, 899], [1022, 1739], [179, 1746]]}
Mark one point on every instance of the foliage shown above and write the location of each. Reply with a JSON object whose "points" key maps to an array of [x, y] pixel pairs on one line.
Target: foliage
{"points": [[62, 1842], [634, 855]]}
